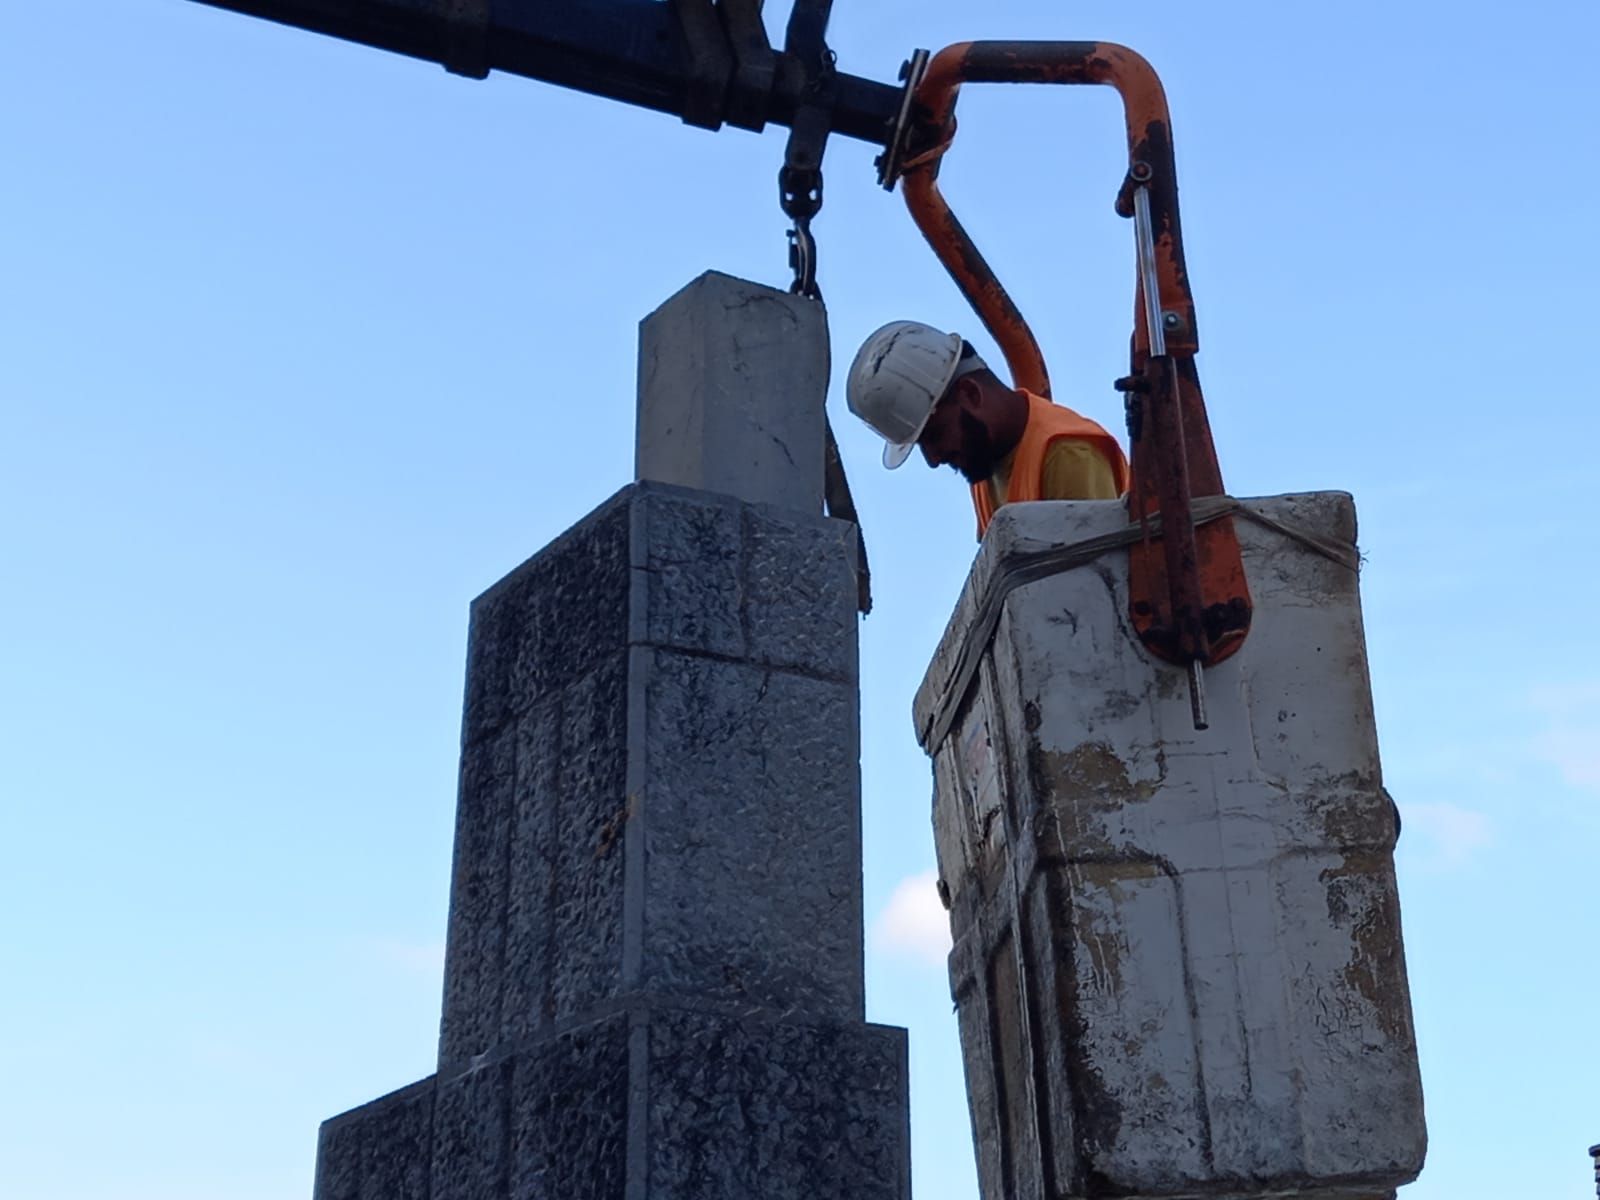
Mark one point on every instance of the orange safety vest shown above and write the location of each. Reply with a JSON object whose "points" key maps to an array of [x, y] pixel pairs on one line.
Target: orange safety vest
{"points": [[1047, 423]]}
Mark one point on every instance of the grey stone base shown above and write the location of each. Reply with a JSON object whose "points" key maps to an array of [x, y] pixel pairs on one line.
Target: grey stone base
{"points": [[648, 1102], [653, 980]]}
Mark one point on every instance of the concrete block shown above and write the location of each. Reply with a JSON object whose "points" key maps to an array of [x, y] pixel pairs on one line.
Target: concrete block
{"points": [[690, 549], [800, 597], [540, 625], [571, 1129], [670, 801], [740, 1108], [653, 1102], [592, 806], [1178, 957], [475, 953], [745, 581], [339, 1151], [732, 381], [380, 1151], [750, 836], [527, 998], [471, 1156], [558, 604]]}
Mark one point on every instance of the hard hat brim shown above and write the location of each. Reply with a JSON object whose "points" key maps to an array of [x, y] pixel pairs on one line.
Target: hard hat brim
{"points": [[896, 453]]}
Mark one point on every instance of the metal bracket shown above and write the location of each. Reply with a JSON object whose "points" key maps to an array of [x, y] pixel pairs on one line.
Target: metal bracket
{"points": [[466, 49], [709, 62], [888, 163], [755, 64]]}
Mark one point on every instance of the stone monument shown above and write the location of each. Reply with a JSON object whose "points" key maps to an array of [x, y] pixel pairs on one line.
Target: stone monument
{"points": [[653, 978]]}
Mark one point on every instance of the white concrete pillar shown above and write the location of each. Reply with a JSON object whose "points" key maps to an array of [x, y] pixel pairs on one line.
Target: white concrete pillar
{"points": [[732, 380], [1177, 962]]}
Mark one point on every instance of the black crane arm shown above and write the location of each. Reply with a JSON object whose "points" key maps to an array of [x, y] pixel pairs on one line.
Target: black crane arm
{"points": [[706, 61]]}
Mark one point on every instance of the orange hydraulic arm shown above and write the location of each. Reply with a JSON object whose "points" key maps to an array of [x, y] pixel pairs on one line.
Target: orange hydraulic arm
{"points": [[1188, 598]]}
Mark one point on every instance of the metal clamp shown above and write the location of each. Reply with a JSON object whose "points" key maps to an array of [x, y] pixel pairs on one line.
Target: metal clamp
{"points": [[889, 162]]}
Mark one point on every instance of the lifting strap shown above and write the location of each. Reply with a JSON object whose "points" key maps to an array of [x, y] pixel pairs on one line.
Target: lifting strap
{"points": [[1030, 568]]}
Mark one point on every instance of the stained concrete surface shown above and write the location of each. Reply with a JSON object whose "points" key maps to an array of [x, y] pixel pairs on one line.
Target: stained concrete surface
{"points": [[1178, 961]]}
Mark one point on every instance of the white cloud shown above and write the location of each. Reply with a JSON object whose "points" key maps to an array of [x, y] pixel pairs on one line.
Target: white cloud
{"points": [[1452, 833], [1571, 740], [914, 924]]}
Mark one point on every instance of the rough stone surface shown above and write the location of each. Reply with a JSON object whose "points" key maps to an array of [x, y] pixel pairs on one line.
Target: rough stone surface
{"points": [[746, 845], [592, 806], [541, 626], [800, 594], [695, 782], [732, 379], [570, 1115], [528, 997], [475, 956], [652, 1101], [471, 1157], [820, 1111], [692, 575], [1178, 961], [380, 1151], [653, 976]]}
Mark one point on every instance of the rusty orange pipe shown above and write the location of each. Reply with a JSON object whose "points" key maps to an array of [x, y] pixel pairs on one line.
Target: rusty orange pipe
{"points": [[977, 282], [1189, 599], [1150, 163]]}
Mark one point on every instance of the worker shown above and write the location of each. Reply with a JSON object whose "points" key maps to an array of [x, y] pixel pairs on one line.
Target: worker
{"points": [[922, 389]]}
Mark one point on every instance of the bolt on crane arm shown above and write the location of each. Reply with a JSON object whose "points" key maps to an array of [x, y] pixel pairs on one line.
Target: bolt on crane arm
{"points": [[707, 61]]}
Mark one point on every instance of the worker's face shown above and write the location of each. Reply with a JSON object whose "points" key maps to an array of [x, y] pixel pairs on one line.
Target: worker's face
{"points": [[957, 435]]}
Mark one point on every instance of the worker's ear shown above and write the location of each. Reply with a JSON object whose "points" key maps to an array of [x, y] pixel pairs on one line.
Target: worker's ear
{"points": [[968, 393]]}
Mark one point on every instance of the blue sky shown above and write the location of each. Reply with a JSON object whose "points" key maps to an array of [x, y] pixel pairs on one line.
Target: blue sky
{"points": [[303, 345]]}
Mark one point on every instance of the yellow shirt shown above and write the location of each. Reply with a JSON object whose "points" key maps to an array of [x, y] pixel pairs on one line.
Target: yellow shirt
{"points": [[1073, 470]]}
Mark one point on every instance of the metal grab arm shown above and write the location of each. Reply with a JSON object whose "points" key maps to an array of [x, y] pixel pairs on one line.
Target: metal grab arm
{"points": [[1151, 165], [1189, 600]]}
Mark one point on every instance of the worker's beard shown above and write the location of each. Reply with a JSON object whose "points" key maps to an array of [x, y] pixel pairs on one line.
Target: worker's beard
{"points": [[977, 450]]}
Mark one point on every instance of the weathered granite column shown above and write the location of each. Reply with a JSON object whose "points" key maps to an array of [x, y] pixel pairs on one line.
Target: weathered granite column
{"points": [[653, 984]]}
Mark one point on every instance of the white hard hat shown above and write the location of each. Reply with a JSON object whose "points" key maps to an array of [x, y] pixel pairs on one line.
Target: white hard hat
{"points": [[896, 380]]}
